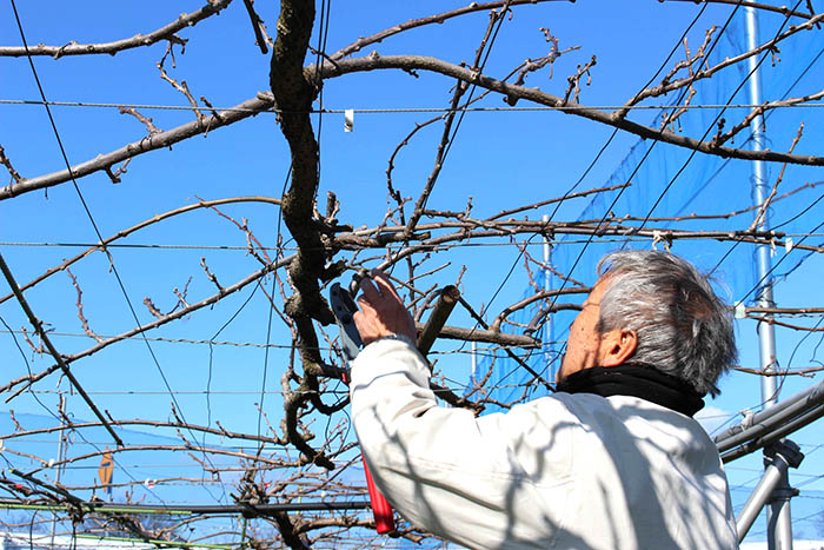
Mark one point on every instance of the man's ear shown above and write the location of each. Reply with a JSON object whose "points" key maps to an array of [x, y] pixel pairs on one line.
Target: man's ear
{"points": [[616, 347]]}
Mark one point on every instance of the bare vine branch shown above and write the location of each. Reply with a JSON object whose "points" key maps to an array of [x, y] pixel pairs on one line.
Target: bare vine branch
{"points": [[166, 32]]}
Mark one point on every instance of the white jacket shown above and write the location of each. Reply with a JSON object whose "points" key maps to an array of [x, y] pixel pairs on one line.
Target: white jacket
{"points": [[567, 471]]}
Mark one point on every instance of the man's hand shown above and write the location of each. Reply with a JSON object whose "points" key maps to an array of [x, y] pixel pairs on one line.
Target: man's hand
{"points": [[382, 311]]}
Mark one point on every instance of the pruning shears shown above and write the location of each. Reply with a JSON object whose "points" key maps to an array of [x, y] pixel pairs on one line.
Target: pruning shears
{"points": [[344, 307]]}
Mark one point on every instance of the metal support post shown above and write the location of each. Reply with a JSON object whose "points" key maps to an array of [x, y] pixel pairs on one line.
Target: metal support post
{"points": [[548, 326], [780, 532], [779, 521], [779, 457], [766, 331], [474, 362], [61, 450]]}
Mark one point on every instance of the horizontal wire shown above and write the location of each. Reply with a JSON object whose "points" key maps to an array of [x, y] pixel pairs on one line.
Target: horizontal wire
{"points": [[455, 385], [197, 392], [484, 351], [174, 340], [239, 248], [194, 392], [143, 465], [253, 446], [47, 244], [139, 508], [391, 110]]}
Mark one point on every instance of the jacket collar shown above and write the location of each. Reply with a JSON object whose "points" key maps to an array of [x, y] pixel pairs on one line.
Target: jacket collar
{"points": [[636, 380]]}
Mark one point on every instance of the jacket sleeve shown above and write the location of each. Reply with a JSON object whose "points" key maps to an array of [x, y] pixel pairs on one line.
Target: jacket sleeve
{"points": [[442, 468]]}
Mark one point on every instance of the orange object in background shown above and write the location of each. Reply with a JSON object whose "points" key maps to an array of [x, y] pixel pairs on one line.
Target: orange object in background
{"points": [[106, 471]]}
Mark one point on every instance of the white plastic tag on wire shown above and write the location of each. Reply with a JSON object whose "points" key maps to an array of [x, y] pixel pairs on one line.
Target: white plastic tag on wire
{"points": [[348, 120]]}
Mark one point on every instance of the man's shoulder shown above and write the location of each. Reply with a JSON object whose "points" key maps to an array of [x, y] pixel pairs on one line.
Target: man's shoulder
{"points": [[595, 413], [560, 413]]}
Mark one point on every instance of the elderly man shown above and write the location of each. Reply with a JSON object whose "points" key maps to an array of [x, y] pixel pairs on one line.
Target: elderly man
{"points": [[613, 459]]}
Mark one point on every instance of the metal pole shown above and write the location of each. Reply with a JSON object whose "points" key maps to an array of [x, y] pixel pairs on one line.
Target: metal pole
{"points": [[548, 328], [760, 495], [779, 521], [61, 442], [783, 454], [474, 363], [766, 332], [243, 534]]}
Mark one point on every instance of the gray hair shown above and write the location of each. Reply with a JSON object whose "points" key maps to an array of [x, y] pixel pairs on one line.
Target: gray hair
{"points": [[683, 328]]}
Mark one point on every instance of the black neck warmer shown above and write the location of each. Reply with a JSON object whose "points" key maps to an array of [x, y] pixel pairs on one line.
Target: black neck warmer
{"points": [[635, 380]]}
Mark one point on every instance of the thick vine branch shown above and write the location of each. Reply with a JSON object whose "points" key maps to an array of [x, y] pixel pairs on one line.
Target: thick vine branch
{"points": [[436, 19], [129, 230], [535, 95], [28, 380], [219, 431], [783, 10], [161, 140], [60, 361], [167, 32], [338, 66], [175, 448], [771, 45]]}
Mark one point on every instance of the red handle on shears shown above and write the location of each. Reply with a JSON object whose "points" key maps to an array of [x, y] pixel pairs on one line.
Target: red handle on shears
{"points": [[381, 509], [344, 307]]}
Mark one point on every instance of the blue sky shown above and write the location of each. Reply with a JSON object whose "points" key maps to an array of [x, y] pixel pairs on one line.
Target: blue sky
{"points": [[500, 159]]}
